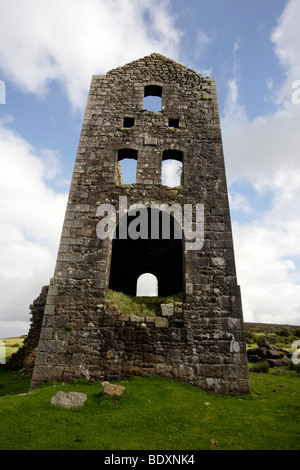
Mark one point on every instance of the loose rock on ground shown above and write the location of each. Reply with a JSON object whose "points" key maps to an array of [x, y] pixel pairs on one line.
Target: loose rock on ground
{"points": [[68, 400], [111, 389]]}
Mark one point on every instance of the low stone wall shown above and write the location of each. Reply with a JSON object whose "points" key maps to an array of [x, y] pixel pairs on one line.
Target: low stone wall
{"points": [[115, 346]]}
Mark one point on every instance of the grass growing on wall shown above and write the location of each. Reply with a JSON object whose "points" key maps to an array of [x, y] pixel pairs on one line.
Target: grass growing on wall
{"points": [[143, 306]]}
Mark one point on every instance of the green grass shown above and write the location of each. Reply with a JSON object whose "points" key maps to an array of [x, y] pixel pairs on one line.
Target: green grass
{"points": [[12, 345], [152, 414], [142, 306], [278, 335], [13, 382], [262, 366]]}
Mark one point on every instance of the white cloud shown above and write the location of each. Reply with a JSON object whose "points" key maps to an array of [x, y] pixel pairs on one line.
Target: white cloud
{"points": [[265, 153], [236, 45], [233, 94], [171, 173], [240, 202], [270, 284], [270, 84], [285, 38], [31, 216], [203, 41], [70, 41]]}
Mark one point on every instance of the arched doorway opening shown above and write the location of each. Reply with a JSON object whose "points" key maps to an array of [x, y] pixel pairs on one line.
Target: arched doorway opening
{"points": [[147, 285], [151, 252]]}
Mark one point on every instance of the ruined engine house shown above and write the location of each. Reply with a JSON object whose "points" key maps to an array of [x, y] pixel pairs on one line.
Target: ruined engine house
{"points": [[199, 339]]}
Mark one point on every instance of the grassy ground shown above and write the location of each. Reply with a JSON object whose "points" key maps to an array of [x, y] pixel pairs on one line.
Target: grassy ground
{"points": [[12, 345], [152, 414]]}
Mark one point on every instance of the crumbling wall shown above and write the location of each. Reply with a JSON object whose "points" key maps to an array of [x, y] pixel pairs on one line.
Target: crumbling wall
{"points": [[24, 358]]}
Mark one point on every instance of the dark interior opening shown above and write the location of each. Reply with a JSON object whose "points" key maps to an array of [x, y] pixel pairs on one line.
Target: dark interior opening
{"points": [[128, 122], [172, 154], [153, 90], [161, 257], [127, 153], [174, 123]]}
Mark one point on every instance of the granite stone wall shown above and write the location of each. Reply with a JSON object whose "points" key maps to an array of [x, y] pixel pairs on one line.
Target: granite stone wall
{"points": [[24, 358], [83, 334]]}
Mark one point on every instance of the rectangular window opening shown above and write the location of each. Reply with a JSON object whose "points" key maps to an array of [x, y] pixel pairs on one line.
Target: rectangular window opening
{"points": [[126, 166], [173, 124], [171, 173], [128, 169], [153, 98], [172, 168], [128, 122]]}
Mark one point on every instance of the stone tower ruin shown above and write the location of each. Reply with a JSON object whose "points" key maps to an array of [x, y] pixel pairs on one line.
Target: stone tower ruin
{"points": [[113, 232]]}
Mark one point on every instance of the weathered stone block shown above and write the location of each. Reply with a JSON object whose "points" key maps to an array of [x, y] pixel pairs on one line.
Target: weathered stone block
{"points": [[150, 320], [189, 288], [136, 318], [150, 140], [161, 322], [167, 310]]}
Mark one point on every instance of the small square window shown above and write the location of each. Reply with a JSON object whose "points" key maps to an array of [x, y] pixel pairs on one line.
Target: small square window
{"points": [[128, 122], [173, 123]]}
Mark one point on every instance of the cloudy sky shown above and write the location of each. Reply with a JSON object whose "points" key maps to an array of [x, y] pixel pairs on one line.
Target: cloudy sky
{"points": [[49, 50]]}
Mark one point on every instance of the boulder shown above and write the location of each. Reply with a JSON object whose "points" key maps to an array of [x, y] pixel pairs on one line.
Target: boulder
{"points": [[111, 389], [68, 400], [265, 351]]}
